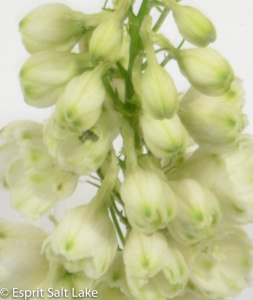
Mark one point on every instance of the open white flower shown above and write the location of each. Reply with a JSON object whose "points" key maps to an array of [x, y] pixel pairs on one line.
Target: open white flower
{"points": [[153, 269], [21, 263], [223, 267], [34, 180]]}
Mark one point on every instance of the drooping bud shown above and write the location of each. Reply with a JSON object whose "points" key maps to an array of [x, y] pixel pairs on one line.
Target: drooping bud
{"points": [[223, 267], [56, 27], [33, 178], [198, 212], [206, 70], [107, 39], [81, 153], [211, 123], [192, 24], [153, 269], [165, 138], [149, 201], [80, 105], [44, 75], [155, 87], [85, 239], [21, 263]]}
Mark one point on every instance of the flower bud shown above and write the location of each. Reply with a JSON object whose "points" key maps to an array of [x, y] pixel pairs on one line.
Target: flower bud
{"points": [[157, 92], [192, 24], [34, 180], [106, 41], [153, 269], [165, 138], [85, 239], [211, 172], [55, 26], [21, 263], [81, 153], [149, 201], [206, 70], [80, 105], [211, 123], [44, 75], [198, 212], [223, 267], [155, 87]]}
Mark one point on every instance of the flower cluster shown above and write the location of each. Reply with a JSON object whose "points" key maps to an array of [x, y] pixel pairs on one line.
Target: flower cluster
{"points": [[167, 220]]}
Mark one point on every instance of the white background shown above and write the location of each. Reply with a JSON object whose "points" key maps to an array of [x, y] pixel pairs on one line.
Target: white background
{"points": [[232, 18]]}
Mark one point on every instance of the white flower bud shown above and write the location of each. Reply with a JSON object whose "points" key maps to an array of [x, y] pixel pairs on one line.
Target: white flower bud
{"points": [[158, 93], [35, 182], [211, 172], [153, 269], [198, 212], [192, 24], [223, 267], [149, 201], [211, 123], [80, 105], [44, 75], [206, 70], [155, 87], [85, 239], [165, 138], [81, 153], [21, 263], [55, 26], [107, 39]]}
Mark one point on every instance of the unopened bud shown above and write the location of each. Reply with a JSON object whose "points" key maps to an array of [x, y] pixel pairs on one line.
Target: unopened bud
{"points": [[149, 201], [55, 26], [44, 75], [206, 70], [165, 138], [198, 212], [80, 105], [211, 123], [192, 24]]}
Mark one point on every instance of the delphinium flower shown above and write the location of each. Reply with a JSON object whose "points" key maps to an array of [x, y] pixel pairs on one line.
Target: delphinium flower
{"points": [[167, 219]]}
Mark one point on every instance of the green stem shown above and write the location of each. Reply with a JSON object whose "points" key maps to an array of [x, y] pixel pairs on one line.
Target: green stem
{"points": [[161, 19], [116, 101], [116, 225], [135, 44]]}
